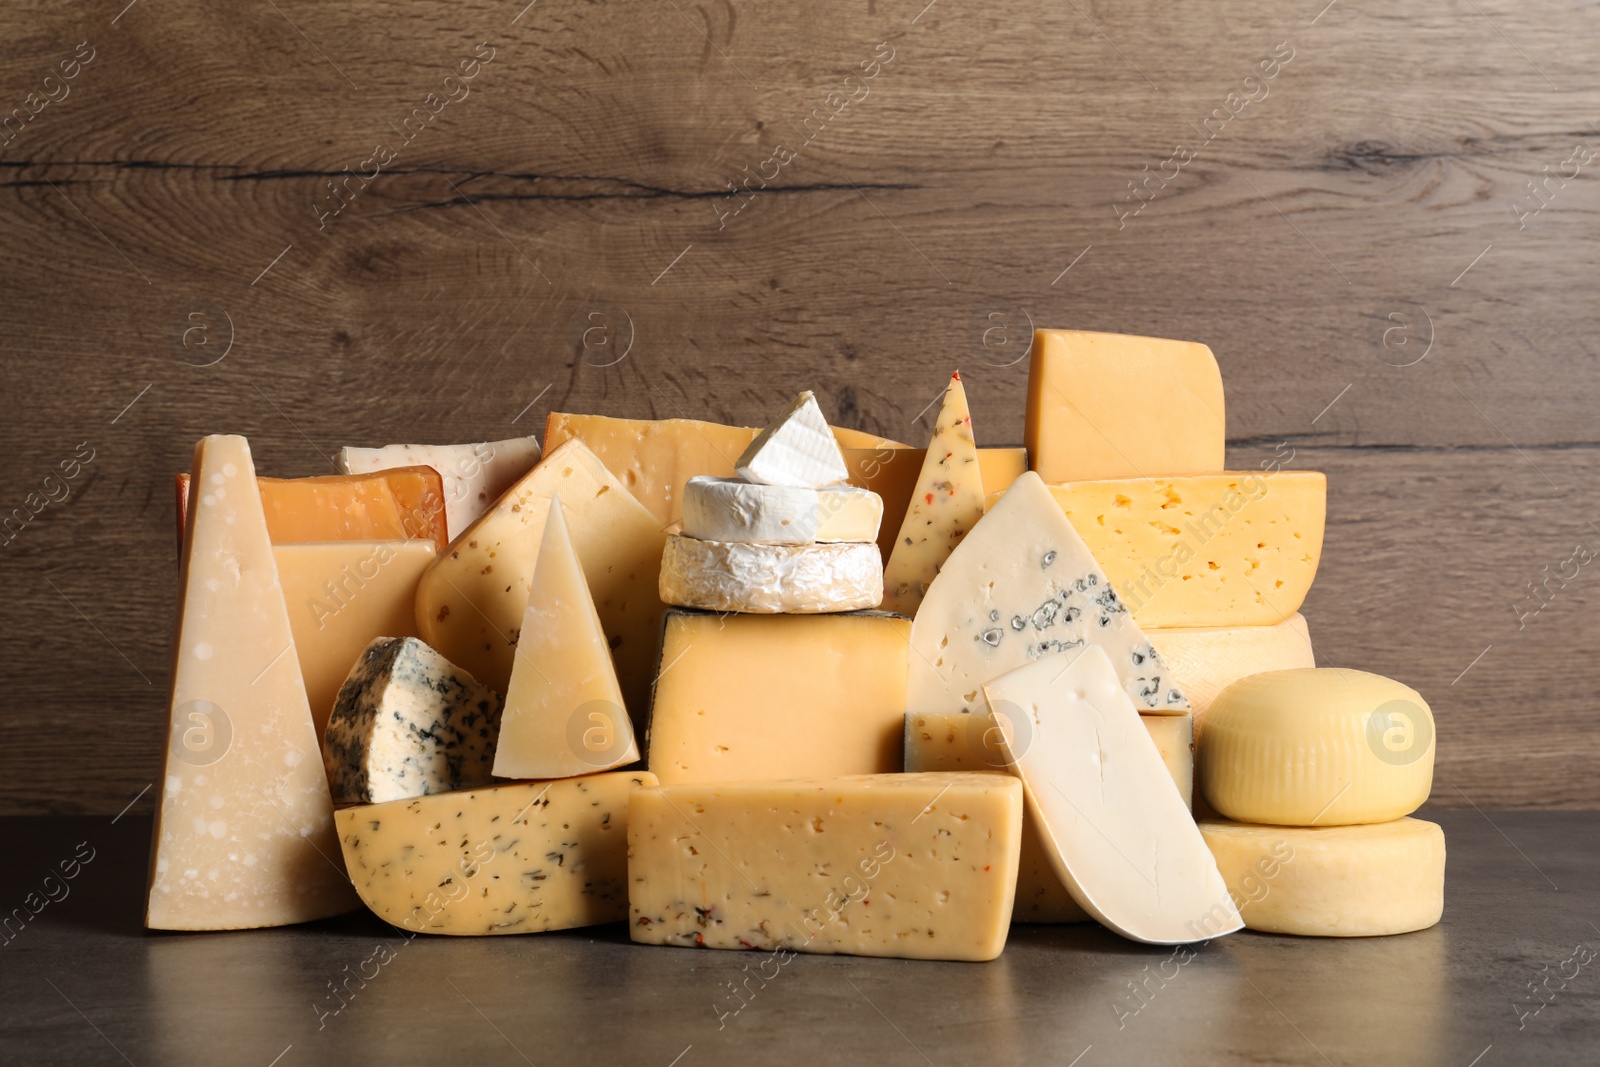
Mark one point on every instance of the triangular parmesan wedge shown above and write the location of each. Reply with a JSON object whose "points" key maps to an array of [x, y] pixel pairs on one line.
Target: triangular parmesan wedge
{"points": [[244, 833], [946, 504], [564, 713], [470, 603], [1020, 586], [1116, 830], [798, 449]]}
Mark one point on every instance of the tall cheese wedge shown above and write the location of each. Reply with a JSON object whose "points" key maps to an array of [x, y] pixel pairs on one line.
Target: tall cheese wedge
{"points": [[1234, 549], [1106, 405], [474, 474], [244, 824], [946, 503], [655, 457], [471, 602], [341, 595], [564, 713], [1021, 586], [747, 697], [1205, 660], [918, 866], [1119, 835], [518, 858], [892, 472]]}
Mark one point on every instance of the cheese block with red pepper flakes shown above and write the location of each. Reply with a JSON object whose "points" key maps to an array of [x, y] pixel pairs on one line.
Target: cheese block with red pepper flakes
{"points": [[916, 866], [947, 502]]}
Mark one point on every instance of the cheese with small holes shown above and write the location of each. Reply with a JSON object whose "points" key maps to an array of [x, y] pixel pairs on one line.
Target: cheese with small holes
{"points": [[474, 474], [655, 457], [797, 449], [408, 722], [1021, 586], [892, 473], [1205, 660], [946, 503], [1333, 881], [916, 866], [564, 713], [732, 509], [744, 697], [1116, 830], [341, 595], [244, 824], [471, 602], [1232, 549], [970, 742], [771, 579], [401, 504], [1320, 746], [518, 858], [1107, 405]]}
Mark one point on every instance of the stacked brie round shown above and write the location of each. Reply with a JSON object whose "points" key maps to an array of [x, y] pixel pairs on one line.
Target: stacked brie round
{"points": [[786, 537]]}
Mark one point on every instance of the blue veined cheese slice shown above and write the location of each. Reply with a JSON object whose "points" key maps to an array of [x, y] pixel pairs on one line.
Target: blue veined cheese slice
{"points": [[408, 722], [1020, 586]]}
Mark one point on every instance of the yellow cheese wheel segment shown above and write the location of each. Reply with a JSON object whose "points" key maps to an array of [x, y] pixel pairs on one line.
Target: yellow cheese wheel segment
{"points": [[1205, 660], [1334, 881], [1317, 746]]}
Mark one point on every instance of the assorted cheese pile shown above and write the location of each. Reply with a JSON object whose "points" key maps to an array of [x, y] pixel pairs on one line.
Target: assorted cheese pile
{"points": [[684, 675]]}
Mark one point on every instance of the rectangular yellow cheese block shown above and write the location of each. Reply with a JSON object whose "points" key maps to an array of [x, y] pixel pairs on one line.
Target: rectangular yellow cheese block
{"points": [[891, 471], [341, 595], [508, 859], [1234, 549], [957, 741], [742, 697], [1205, 660], [244, 831], [394, 504], [918, 866], [655, 457], [1107, 405]]}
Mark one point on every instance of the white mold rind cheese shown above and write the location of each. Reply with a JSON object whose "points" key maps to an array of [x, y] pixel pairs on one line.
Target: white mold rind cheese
{"points": [[798, 449], [732, 509], [408, 723], [1021, 586], [771, 579]]}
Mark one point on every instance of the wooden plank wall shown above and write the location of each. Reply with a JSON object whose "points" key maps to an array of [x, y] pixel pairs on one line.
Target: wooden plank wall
{"points": [[1337, 199]]}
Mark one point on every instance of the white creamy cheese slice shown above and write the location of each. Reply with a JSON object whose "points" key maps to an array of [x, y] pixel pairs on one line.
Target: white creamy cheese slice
{"points": [[732, 509], [1020, 586], [798, 449], [1116, 830]]}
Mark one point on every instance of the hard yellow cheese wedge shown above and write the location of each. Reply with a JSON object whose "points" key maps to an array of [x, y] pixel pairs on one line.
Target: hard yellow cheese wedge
{"points": [[1317, 747], [509, 859], [1334, 881], [919, 866]]}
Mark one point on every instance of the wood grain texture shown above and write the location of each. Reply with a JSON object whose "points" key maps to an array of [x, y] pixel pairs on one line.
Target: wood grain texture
{"points": [[1359, 207]]}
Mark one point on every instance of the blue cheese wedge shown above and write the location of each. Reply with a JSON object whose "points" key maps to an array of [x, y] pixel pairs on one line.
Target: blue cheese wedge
{"points": [[1020, 586], [407, 723]]}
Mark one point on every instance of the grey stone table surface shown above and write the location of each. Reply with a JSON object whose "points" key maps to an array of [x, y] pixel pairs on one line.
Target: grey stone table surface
{"points": [[1509, 976]]}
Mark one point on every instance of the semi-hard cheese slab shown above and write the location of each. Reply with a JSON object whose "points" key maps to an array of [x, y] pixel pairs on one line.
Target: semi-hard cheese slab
{"points": [[744, 697], [341, 595], [474, 474], [1106, 405], [1333, 881], [1021, 586], [1205, 660], [471, 602], [399, 504], [947, 502], [1320, 746], [564, 713], [1239, 548], [919, 866], [655, 457], [770, 579], [1120, 837], [510, 859], [408, 722], [731, 509], [244, 824]]}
